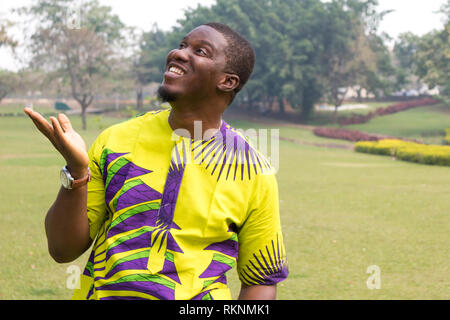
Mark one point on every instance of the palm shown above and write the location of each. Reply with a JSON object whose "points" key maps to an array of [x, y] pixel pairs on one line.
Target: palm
{"points": [[73, 149], [66, 140]]}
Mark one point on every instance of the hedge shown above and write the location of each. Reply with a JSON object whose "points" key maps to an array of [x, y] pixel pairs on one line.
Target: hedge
{"points": [[350, 135], [407, 151]]}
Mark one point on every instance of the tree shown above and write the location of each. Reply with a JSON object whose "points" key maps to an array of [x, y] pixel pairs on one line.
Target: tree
{"points": [[284, 36], [76, 44], [380, 79], [149, 61], [340, 38], [295, 58], [8, 83], [433, 61], [8, 80], [405, 49], [5, 39], [353, 53], [432, 57], [445, 11], [299, 58]]}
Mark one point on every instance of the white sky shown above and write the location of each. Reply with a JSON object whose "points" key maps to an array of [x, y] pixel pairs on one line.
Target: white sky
{"points": [[416, 16]]}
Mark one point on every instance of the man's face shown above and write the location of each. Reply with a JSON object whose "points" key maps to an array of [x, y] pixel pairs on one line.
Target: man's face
{"points": [[195, 68]]}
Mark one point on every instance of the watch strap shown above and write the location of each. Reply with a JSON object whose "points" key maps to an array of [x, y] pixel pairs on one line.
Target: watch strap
{"points": [[82, 181]]}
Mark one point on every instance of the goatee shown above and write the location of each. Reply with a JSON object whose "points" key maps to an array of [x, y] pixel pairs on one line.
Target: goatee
{"points": [[164, 95]]}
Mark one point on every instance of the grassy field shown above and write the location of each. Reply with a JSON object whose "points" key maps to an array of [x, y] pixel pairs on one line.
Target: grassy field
{"points": [[341, 212], [425, 123]]}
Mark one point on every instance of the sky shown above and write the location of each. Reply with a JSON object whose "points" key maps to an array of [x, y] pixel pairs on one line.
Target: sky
{"points": [[416, 16]]}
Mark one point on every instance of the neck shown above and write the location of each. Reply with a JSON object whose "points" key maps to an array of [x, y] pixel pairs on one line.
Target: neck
{"points": [[197, 123]]}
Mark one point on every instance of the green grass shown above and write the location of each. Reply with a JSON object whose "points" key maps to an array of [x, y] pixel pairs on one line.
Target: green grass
{"points": [[341, 212], [287, 131], [425, 123]]}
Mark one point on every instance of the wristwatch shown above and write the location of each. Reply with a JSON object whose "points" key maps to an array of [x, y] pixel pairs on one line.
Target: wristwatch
{"points": [[69, 182]]}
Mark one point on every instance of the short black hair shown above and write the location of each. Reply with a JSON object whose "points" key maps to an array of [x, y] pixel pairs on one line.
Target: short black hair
{"points": [[240, 55]]}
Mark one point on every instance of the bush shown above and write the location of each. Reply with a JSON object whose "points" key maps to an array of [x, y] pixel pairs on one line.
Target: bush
{"points": [[447, 136], [351, 135], [405, 106], [407, 151]]}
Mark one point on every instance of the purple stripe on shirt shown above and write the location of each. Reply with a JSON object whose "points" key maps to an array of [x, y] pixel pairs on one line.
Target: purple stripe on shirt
{"points": [[215, 269], [128, 171], [141, 241], [170, 271], [228, 247], [145, 218], [136, 195], [149, 287], [136, 264]]}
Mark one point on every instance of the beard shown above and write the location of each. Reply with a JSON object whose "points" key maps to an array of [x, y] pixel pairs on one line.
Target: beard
{"points": [[165, 95]]}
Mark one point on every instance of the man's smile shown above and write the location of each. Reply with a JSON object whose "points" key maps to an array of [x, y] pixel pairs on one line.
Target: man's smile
{"points": [[175, 70]]}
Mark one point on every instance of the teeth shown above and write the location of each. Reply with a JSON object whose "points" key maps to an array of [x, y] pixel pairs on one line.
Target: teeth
{"points": [[176, 70]]}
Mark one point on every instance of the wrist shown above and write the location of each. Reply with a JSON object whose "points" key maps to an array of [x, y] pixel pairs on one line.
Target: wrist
{"points": [[78, 172], [80, 178]]}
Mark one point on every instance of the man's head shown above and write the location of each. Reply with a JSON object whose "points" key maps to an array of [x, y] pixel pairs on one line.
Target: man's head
{"points": [[212, 61]]}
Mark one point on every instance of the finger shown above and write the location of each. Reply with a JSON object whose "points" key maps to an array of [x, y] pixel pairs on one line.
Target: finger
{"points": [[65, 122], [59, 133], [27, 110], [42, 124], [47, 130]]}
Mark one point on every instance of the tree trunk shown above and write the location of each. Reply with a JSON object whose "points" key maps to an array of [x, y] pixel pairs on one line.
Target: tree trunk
{"points": [[270, 104], [84, 103], [358, 92], [83, 116], [281, 105], [335, 114], [139, 98]]}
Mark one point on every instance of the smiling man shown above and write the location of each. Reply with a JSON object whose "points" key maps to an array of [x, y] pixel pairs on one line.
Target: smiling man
{"points": [[168, 215]]}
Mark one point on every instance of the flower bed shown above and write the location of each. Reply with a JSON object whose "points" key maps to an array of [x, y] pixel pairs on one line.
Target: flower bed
{"points": [[402, 106], [351, 135], [407, 151]]}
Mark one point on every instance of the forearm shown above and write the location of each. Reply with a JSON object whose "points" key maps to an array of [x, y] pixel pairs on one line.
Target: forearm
{"points": [[67, 225], [258, 292]]}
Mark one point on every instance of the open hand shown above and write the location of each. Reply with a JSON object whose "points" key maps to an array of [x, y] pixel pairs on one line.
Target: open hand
{"points": [[66, 140]]}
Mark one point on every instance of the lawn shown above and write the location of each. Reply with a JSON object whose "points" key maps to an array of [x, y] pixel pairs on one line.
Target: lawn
{"points": [[424, 123], [341, 212]]}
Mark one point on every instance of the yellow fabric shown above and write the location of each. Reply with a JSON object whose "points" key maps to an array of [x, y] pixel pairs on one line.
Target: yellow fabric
{"points": [[170, 216]]}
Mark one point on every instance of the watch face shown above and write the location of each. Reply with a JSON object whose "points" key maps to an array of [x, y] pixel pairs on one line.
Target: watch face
{"points": [[65, 180]]}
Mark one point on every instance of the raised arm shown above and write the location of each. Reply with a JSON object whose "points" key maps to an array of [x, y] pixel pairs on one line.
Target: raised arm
{"points": [[66, 222]]}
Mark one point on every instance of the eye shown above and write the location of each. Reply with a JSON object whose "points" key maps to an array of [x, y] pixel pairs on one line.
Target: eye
{"points": [[182, 45], [202, 51]]}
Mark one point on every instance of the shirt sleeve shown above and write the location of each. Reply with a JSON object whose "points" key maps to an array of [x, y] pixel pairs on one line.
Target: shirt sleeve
{"points": [[96, 207], [262, 255]]}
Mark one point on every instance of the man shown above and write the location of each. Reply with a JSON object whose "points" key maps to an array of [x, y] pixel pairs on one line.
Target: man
{"points": [[169, 215]]}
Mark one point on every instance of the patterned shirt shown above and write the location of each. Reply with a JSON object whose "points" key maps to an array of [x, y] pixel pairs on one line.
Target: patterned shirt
{"points": [[171, 215]]}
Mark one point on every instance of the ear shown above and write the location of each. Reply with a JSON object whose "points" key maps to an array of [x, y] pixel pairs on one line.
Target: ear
{"points": [[229, 82]]}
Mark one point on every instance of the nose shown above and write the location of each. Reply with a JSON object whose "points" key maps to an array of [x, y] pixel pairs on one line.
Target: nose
{"points": [[178, 54]]}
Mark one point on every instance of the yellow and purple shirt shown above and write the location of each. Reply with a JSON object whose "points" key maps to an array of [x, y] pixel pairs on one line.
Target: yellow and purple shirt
{"points": [[171, 215]]}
